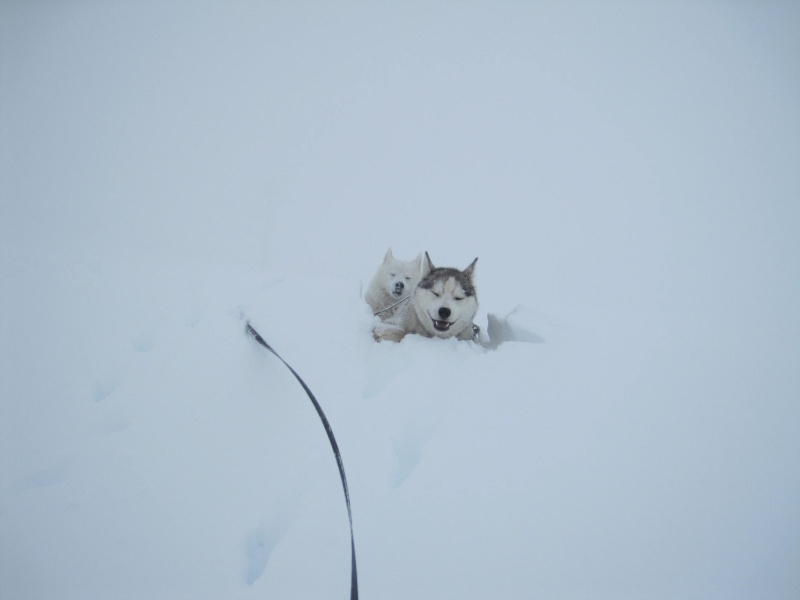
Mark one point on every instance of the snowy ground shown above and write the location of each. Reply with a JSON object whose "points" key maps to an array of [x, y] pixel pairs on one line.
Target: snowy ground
{"points": [[627, 174]]}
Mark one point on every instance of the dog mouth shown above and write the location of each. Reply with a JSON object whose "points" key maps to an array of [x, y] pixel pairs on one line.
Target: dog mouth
{"points": [[441, 325]]}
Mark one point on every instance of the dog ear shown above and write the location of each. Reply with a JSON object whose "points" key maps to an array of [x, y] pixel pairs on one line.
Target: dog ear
{"points": [[470, 269], [388, 256], [427, 267]]}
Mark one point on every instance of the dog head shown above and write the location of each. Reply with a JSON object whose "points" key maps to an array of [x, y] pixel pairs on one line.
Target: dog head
{"points": [[445, 300], [400, 277]]}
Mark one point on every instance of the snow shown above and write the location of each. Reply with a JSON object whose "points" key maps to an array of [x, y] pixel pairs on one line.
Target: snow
{"points": [[627, 175]]}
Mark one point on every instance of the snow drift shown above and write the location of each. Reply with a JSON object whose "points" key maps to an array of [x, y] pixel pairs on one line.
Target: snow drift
{"points": [[626, 175]]}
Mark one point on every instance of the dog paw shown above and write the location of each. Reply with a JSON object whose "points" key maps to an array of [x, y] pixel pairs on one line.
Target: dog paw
{"points": [[391, 334]]}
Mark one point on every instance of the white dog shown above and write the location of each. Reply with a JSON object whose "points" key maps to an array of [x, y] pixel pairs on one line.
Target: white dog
{"points": [[393, 282], [443, 305]]}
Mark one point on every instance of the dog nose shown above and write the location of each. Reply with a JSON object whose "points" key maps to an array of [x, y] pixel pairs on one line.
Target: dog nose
{"points": [[399, 285], [444, 312]]}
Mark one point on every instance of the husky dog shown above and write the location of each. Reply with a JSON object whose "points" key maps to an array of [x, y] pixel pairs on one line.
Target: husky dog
{"points": [[442, 305], [394, 281]]}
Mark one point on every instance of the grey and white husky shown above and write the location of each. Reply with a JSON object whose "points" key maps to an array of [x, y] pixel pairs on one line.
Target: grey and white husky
{"points": [[443, 305], [393, 281]]}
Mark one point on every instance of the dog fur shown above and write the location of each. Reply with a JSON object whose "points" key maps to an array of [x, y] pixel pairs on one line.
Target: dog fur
{"points": [[443, 305], [393, 281]]}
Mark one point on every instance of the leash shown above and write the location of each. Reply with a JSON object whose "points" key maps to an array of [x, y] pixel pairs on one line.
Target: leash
{"points": [[383, 310], [353, 574]]}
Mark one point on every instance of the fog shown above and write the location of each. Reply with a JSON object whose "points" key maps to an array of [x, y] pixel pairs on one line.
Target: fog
{"points": [[628, 173]]}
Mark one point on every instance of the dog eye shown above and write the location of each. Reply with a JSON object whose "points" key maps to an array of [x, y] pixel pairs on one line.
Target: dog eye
{"points": [[391, 274], [436, 294], [458, 299], [408, 278]]}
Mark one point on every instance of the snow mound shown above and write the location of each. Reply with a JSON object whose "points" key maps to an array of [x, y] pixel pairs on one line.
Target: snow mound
{"points": [[524, 324]]}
